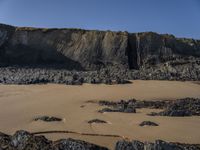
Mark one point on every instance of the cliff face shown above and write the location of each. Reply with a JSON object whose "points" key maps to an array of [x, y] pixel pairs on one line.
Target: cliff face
{"points": [[90, 50]]}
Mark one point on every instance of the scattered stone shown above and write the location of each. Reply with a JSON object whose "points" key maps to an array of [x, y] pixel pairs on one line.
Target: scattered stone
{"points": [[48, 118], [44, 74], [96, 121], [148, 123]]}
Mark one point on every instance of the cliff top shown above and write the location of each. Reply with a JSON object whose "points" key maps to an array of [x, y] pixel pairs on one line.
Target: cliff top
{"points": [[85, 30]]}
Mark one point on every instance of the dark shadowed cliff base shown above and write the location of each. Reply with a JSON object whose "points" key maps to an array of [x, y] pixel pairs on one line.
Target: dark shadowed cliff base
{"points": [[75, 56]]}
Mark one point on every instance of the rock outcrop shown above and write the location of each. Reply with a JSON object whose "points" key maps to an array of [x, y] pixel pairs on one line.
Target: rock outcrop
{"points": [[181, 108], [157, 145], [96, 121], [173, 108], [23, 140], [107, 55], [47, 118], [148, 123]]}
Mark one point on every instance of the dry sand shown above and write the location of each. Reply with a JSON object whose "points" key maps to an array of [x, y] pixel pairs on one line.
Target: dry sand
{"points": [[19, 104]]}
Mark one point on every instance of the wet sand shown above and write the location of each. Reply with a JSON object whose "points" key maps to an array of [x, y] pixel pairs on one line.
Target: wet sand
{"points": [[20, 104]]}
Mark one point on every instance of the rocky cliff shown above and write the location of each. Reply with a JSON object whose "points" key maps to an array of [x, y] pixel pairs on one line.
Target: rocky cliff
{"points": [[84, 50], [89, 50], [73, 48]]}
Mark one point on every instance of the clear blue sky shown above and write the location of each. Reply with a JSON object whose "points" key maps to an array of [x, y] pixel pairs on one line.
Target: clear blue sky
{"points": [[178, 17]]}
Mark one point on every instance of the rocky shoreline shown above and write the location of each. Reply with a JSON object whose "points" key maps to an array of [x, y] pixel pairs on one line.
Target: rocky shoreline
{"points": [[23, 140]]}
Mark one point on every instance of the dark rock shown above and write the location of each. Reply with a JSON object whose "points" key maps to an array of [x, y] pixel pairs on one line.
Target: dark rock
{"points": [[107, 110], [23, 140], [125, 145], [96, 121], [119, 109], [158, 145], [175, 113], [162, 145], [129, 109], [48, 118], [153, 114], [4, 140], [82, 106], [136, 104], [107, 81], [181, 107], [68, 144], [121, 81], [107, 103], [148, 123]]}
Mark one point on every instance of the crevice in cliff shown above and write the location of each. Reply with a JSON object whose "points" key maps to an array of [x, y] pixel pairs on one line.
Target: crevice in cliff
{"points": [[137, 41], [131, 52]]}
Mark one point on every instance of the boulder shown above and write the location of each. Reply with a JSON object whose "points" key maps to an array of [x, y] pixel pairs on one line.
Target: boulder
{"points": [[148, 123], [96, 121], [47, 118]]}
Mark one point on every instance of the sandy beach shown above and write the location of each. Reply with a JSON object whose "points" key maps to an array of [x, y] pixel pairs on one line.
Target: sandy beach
{"points": [[20, 104]]}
